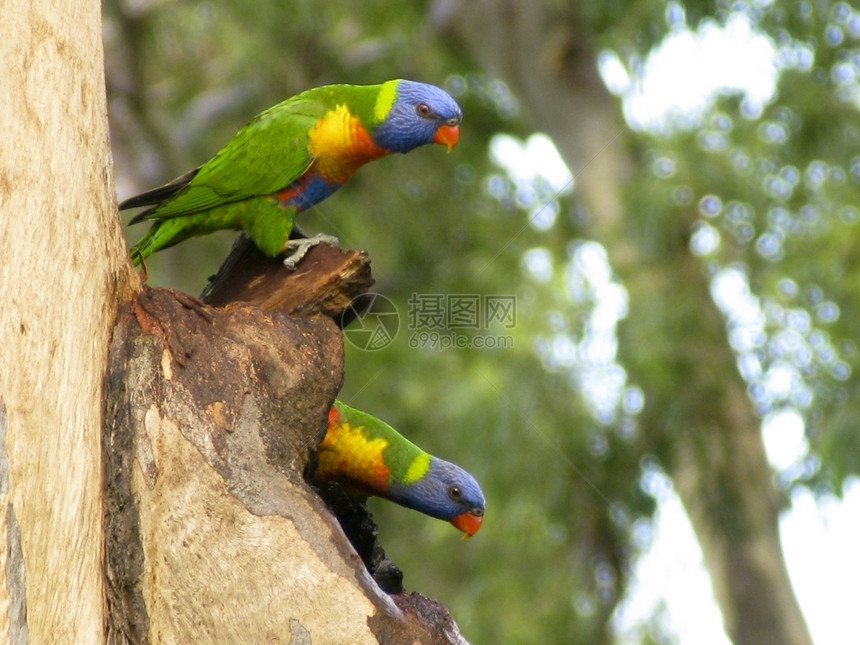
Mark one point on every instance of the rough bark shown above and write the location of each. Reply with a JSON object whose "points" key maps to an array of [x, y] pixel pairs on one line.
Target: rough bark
{"points": [[213, 413], [715, 453]]}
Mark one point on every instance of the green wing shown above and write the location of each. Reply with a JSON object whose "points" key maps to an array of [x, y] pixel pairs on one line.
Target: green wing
{"points": [[265, 156]]}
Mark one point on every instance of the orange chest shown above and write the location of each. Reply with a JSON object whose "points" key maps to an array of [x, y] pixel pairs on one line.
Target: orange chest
{"points": [[340, 145]]}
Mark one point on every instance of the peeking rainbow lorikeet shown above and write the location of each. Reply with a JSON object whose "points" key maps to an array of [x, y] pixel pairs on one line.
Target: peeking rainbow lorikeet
{"points": [[291, 157], [367, 456]]}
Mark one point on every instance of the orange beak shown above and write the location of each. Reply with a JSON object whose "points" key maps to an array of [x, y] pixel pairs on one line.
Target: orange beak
{"points": [[469, 523], [447, 135]]}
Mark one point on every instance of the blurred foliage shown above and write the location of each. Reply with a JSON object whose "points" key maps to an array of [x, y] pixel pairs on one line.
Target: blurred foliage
{"points": [[769, 197], [772, 195]]}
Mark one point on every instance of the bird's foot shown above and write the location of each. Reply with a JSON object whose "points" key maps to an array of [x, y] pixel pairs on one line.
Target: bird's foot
{"points": [[298, 248]]}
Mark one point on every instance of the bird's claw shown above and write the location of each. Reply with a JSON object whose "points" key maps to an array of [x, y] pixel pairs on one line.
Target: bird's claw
{"points": [[298, 248]]}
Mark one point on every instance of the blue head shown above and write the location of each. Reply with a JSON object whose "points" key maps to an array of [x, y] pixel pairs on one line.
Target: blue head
{"points": [[420, 114], [446, 492]]}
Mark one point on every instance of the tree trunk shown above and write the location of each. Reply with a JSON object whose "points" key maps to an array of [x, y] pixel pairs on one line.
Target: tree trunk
{"points": [[62, 275], [212, 417], [715, 456]]}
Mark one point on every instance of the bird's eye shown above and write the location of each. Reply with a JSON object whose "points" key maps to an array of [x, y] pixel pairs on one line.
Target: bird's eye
{"points": [[423, 110], [454, 492]]}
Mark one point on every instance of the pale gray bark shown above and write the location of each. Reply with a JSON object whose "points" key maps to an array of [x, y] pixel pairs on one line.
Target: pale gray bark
{"points": [[62, 273]]}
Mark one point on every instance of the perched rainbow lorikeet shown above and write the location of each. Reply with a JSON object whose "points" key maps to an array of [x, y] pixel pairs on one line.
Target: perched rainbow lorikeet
{"points": [[291, 157], [367, 456]]}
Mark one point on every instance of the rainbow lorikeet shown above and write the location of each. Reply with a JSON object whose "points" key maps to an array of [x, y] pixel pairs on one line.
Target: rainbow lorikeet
{"points": [[367, 456], [291, 157]]}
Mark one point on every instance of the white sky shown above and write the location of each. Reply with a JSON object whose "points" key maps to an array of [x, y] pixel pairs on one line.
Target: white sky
{"points": [[689, 69], [820, 538], [820, 545]]}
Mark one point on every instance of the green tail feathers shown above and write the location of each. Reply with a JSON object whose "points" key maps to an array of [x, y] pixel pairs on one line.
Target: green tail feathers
{"points": [[162, 235], [263, 219]]}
